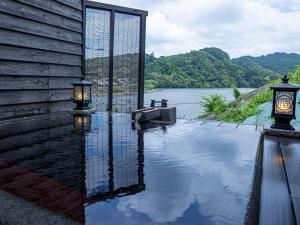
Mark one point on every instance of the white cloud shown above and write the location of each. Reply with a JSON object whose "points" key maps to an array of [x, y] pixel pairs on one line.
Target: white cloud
{"points": [[248, 27], [199, 176]]}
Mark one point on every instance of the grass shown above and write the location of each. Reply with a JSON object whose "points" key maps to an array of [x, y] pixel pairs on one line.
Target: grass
{"points": [[216, 108]]}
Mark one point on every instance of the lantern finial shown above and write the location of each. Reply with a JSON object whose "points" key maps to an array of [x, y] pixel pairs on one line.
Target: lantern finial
{"points": [[285, 79]]}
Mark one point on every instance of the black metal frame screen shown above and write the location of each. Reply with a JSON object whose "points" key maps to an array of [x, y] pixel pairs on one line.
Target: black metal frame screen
{"points": [[115, 56]]}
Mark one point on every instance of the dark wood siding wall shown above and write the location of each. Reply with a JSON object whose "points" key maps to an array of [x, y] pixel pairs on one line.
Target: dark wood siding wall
{"points": [[40, 55]]}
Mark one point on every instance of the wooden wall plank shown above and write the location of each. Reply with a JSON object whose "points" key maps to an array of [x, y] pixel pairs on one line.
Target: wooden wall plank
{"points": [[61, 94], [61, 83], [77, 4], [26, 110], [38, 69], [15, 83], [32, 96], [32, 27], [61, 106], [31, 41], [58, 70], [55, 7], [26, 11], [35, 83], [40, 56], [33, 55]]}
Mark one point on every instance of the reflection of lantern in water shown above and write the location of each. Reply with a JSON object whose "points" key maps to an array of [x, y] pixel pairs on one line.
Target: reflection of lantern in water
{"points": [[82, 122], [284, 104], [82, 94]]}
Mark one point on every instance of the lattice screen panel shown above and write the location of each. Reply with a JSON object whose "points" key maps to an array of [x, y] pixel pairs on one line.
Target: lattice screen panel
{"points": [[97, 49], [126, 62]]}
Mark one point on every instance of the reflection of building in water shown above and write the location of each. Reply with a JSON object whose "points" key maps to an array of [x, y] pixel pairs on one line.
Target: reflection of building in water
{"points": [[44, 162], [114, 160]]}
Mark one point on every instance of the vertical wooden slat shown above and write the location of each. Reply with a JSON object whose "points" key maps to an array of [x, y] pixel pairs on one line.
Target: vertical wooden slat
{"points": [[275, 204]]}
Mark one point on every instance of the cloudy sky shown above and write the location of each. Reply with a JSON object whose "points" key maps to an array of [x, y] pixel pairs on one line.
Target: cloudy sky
{"points": [[240, 27]]}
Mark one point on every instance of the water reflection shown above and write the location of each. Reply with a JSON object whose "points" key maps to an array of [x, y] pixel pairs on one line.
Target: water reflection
{"points": [[109, 174], [56, 169], [114, 159]]}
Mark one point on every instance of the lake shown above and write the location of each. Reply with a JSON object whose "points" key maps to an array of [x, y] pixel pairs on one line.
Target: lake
{"points": [[187, 100]]}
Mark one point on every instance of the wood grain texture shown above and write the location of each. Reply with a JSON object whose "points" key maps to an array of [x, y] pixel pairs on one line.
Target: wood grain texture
{"points": [[33, 55], [34, 96], [36, 42], [291, 154], [33, 109], [73, 3], [38, 69], [35, 83], [32, 27], [275, 204], [26, 11], [55, 7], [296, 202], [40, 56], [290, 148]]}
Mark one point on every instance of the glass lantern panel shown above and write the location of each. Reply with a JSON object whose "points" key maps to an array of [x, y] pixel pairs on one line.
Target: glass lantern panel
{"points": [[87, 93], [284, 103], [78, 93]]}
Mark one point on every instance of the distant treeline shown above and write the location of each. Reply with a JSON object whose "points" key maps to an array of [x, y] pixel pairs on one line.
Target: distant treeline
{"points": [[212, 67]]}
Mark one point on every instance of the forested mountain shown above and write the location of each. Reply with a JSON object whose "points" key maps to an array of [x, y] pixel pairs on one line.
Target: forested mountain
{"points": [[212, 67], [278, 62]]}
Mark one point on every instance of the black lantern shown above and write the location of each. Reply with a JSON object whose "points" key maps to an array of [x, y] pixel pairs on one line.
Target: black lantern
{"points": [[82, 94], [284, 104], [82, 122]]}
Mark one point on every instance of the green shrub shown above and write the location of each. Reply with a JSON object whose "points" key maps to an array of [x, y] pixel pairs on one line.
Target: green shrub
{"points": [[215, 106], [214, 103], [236, 93]]}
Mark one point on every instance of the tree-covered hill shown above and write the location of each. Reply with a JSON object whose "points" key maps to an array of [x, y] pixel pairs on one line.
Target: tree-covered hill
{"points": [[212, 67], [255, 74], [278, 62]]}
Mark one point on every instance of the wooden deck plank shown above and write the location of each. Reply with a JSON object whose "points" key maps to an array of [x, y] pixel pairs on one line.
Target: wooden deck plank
{"points": [[296, 202], [290, 148], [275, 204], [291, 155]]}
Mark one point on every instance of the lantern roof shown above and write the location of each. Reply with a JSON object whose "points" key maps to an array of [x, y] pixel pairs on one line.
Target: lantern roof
{"points": [[82, 83], [285, 85]]}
